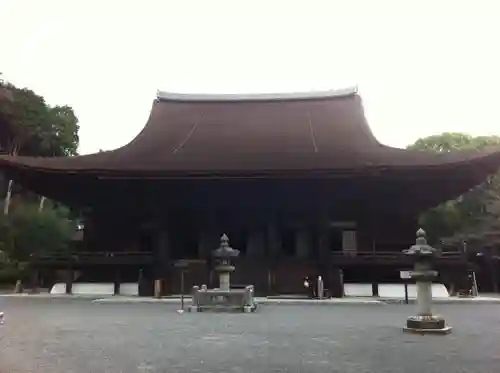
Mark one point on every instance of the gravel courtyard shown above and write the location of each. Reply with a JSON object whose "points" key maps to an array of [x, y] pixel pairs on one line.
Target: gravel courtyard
{"points": [[75, 335]]}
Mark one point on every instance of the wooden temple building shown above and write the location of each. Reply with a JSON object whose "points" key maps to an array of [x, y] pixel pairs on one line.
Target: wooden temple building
{"points": [[297, 181]]}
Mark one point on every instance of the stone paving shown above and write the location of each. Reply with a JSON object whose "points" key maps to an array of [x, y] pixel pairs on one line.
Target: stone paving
{"points": [[316, 302], [483, 298], [64, 335]]}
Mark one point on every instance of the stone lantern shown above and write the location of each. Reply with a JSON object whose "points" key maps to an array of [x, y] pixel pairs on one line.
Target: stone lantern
{"points": [[423, 256], [223, 299], [223, 255]]}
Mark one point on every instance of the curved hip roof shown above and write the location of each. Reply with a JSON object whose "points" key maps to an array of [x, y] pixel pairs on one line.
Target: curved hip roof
{"points": [[265, 136], [248, 135]]}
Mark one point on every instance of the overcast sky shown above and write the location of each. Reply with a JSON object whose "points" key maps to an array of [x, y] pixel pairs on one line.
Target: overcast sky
{"points": [[422, 67]]}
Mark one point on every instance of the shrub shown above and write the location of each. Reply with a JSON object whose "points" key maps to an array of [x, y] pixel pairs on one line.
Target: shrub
{"points": [[26, 231]]}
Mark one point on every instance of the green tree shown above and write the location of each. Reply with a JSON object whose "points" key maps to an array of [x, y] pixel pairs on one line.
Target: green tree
{"points": [[470, 212], [28, 126], [28, 231], [452, 141]]}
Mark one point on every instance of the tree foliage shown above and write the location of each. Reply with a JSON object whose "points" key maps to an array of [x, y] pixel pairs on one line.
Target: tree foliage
{"points": [[29, 126], [471, 212], [26, 231], [453, 141]]}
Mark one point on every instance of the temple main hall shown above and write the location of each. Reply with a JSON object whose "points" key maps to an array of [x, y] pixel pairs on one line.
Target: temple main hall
{"points": [[297, 181]]}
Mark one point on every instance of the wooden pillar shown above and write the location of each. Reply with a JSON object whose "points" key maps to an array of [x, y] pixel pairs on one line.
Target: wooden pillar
{"points": [[493, 268], [162, 271], [370, 231], [337, 283], [324, 251], [143, 284], [208, 241], [35, 281], [374, 283], [69, 280], [374, 276], [274, 247], [116, 283]]}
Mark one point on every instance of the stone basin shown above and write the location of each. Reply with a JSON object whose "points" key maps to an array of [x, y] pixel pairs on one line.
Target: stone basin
{"points": [[219, 300]]}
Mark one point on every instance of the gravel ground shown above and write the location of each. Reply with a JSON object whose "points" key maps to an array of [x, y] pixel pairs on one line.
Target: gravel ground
{"points": [[74, 335]]}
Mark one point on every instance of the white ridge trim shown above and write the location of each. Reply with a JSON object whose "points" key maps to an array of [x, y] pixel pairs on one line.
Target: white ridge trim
{"points": [[170, 96]]}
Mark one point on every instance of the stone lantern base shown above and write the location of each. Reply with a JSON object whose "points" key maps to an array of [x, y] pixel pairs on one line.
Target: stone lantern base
{"points": [[426, 325]]}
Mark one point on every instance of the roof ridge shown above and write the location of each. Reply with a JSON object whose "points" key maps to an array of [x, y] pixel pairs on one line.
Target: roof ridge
{"points": [[196, 97]]}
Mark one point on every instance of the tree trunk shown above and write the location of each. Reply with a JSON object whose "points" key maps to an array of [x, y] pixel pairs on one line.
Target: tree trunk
{"points": [[6, 202], [40, 207], [14, 150]]}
